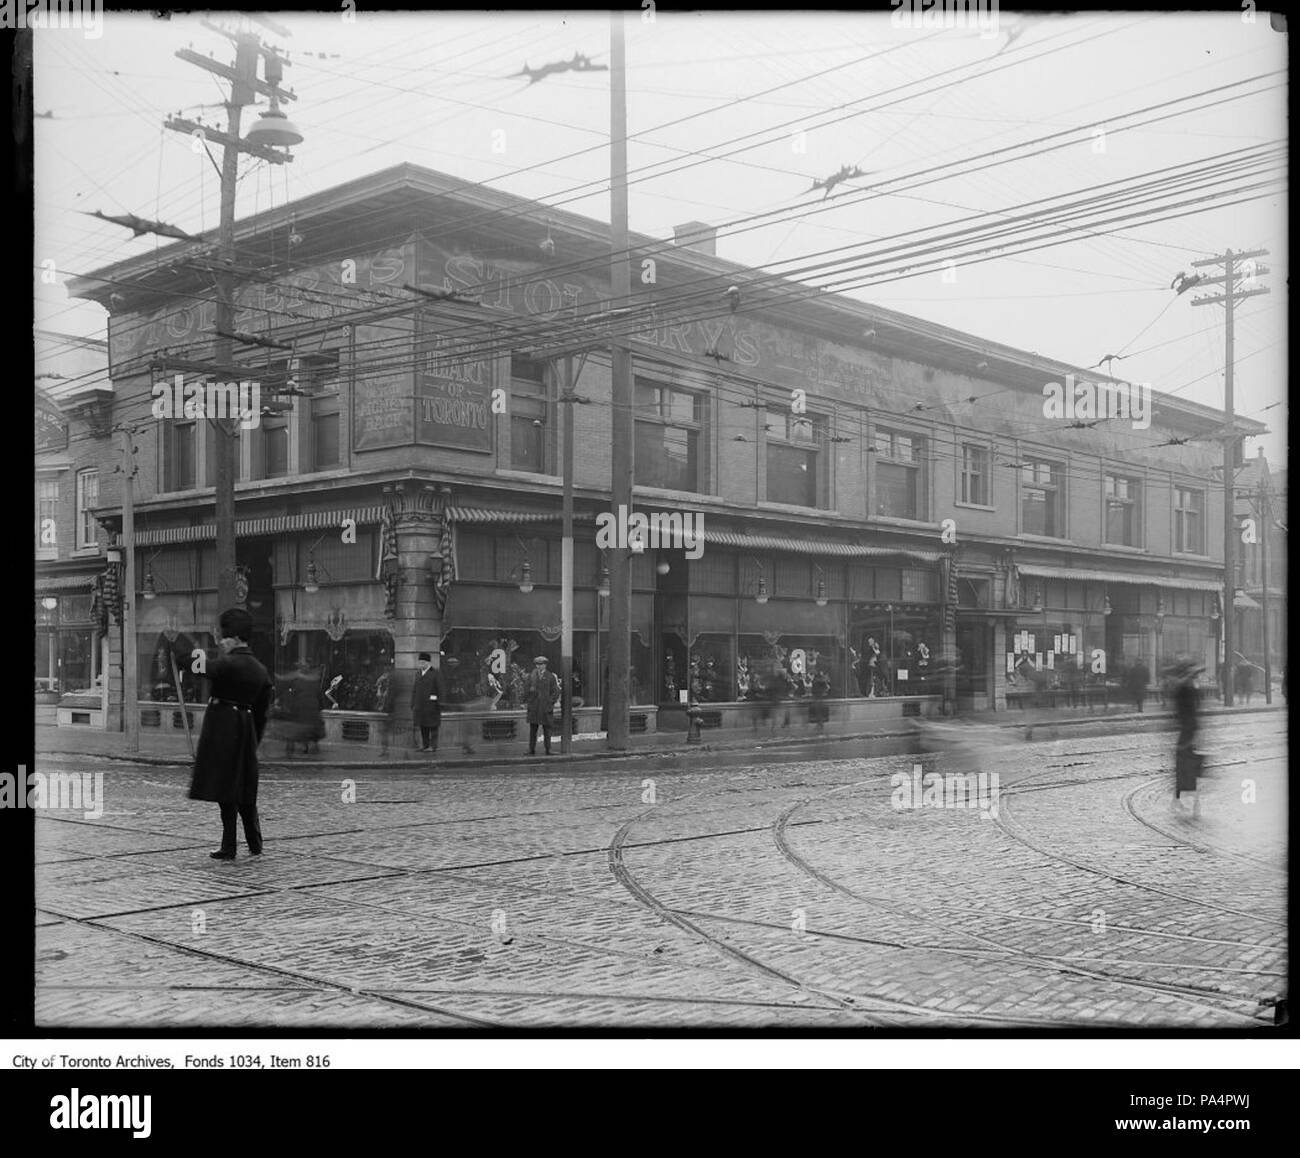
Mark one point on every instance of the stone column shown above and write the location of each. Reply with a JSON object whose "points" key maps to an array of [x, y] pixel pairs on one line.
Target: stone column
{"points": [[418, 510], [113, 717]]}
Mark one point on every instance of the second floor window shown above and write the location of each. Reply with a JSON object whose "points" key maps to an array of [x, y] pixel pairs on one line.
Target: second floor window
{"points": [[794, 444], [318, 376], [1123, 510], [47, 515], [528, 407], [275, 448], [975, 486], [900, 485], [87, 500], [179, 455], [1041, 499], [1189, 521], [668, 426]]}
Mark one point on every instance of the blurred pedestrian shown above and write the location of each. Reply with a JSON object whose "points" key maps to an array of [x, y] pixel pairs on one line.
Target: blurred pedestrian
{"points": [[818, 710], [426, 703], [1136, 681], [306, 727], [225, 764], [1187, 761], [542, 693]]}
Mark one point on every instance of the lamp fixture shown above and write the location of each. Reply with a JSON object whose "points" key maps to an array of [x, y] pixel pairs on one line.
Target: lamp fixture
{"points": [[821, 585], [761, 596], [1105, 607], [113, 555], [525, 577], [150, 591], [1038, 600], [312, 583], [662, 566], [50, 602], [273, 127], [1160, 608], [603, 589], [1214, 607]]}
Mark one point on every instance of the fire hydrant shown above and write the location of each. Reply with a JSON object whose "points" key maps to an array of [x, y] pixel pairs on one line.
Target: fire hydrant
{"points": [[693, 731]]}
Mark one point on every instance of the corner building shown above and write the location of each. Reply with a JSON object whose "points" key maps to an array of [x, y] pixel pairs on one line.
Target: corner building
{"points": [[824, 443]]}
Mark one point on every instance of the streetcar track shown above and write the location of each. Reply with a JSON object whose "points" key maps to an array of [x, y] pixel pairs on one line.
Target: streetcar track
{"points": [[1215, 849], [1004, 952], [321, 985]]}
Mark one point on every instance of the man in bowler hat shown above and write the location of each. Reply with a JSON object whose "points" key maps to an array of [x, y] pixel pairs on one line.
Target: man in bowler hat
{"points": [[426, 703], [225, 764], [541, 694]]}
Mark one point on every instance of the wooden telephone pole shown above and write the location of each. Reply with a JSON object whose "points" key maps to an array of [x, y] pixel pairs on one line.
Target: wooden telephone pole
{"points": [[1244, 267], [244, 87]]}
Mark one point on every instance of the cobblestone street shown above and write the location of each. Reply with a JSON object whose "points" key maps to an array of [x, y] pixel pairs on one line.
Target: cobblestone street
{"points": [[661, 892]]}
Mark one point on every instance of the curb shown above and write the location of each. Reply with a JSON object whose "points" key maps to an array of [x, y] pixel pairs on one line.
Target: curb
{"points": [[679, 749]]}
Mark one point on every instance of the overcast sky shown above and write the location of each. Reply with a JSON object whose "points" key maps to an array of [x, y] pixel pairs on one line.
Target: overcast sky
{"points": [[433, 89]]}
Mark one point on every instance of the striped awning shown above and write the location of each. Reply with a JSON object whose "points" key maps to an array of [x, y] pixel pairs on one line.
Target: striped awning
{"points": [[503, 515], [1035, 571], [63, 583], [815, 547], [267, 525]]}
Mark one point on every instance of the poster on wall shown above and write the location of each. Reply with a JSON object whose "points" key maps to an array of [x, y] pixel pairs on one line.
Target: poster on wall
{"points": [[382, 410]]}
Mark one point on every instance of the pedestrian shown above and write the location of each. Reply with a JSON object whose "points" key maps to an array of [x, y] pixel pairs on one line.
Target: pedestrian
{"points": [[225, 764], [541, 694], [1136, 681], [818, 710], [307, 726], [426, 703], [1187, 761]]}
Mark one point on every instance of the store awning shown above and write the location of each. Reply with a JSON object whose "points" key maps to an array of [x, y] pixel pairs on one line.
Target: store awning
{"points": [[268, 525], [1243, 602], [826, 547], [63, 583], [1035, 571]]}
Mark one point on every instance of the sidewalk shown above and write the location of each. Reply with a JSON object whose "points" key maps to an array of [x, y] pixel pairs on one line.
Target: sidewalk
{"points": [[169, 750]]}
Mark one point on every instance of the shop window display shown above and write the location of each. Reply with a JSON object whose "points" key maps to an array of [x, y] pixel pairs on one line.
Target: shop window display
{"points": [[712, 670], [780, 667], [355, 671]]}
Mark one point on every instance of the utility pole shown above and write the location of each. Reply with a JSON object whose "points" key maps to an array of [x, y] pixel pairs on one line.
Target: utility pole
{"points": [[1265, 521], [130, 666], [1228, 299], [244, 84], [620, 289], [566, 569]]}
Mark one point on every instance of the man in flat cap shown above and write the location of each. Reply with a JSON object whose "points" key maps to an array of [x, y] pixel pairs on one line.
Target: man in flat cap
{"points": [[225, 764], [541, 694], [426, 703]]}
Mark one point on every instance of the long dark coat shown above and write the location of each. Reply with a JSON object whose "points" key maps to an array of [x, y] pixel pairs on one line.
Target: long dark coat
{"points": [[541, 694], [225, 765], [426, 700], [1187, 763]]}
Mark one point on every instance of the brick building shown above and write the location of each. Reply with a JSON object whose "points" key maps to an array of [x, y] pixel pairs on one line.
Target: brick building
{"points": [[878, 493]]}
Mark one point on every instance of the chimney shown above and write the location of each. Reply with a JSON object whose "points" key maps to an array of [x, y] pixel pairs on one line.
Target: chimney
{"points": [[698, 236]]}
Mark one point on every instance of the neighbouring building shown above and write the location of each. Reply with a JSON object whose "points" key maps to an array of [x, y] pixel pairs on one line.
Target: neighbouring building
{"points": [[1261, 512], [891, 513]]}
